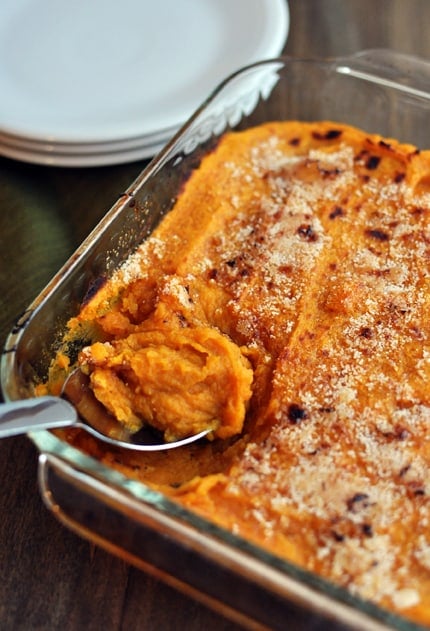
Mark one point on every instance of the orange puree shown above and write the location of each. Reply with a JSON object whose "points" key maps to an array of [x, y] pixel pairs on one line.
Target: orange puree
{"points": [[182, 381], [284, 303]]}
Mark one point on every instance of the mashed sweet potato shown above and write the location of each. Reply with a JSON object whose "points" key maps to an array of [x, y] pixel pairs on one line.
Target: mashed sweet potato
{"points": [[181, 381], [284, 302]]}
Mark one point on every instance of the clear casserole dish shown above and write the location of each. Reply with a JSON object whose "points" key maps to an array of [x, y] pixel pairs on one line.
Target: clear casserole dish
{"points": [[378, 91]]}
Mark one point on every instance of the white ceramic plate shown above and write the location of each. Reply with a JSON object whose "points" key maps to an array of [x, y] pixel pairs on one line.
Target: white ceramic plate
{"points": [[46, 146], [103, 71], [75, 159]]}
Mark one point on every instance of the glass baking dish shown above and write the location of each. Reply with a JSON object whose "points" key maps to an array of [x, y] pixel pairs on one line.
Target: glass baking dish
{"points": [[377, 90]]}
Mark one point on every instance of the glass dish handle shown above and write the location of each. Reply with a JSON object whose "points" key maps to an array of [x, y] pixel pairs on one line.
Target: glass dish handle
{"points": [[229, 580], [391, 68]]}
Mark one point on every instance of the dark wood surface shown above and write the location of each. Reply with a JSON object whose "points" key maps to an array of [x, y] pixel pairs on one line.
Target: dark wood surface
{"points": [[50, 578]]}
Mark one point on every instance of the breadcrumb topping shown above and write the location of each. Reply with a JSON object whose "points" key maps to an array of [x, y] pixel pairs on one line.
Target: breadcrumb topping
{"points": [[315, 244]]}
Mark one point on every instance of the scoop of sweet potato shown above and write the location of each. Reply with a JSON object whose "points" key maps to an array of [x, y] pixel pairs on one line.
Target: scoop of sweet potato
{"points": [[180, 381]]}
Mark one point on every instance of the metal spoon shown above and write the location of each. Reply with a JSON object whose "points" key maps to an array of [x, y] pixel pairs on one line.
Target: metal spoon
{"points": [[50, 412]]}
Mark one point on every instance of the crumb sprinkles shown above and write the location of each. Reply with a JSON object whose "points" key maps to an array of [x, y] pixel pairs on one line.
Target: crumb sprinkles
{"points": [[312, 253]]}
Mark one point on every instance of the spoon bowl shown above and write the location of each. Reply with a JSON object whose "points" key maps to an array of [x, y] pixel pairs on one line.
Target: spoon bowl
{"points": [[78, 407]]}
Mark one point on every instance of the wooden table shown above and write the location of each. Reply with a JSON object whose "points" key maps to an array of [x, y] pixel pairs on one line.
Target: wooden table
{"points": [[50, 578]]}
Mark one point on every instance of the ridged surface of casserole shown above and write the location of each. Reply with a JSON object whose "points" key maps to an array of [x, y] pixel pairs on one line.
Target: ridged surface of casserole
{"points": [[307, 246]]}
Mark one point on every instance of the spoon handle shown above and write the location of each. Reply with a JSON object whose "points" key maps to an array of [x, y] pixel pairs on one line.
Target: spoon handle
{"points": [[20, 417]]}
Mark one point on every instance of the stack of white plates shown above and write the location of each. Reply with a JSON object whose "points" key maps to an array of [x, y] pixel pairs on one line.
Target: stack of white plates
{"points": [[106, 82]]}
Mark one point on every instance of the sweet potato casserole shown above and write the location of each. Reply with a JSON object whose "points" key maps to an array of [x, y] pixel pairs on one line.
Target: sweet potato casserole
{"points": [[283, 303]]}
